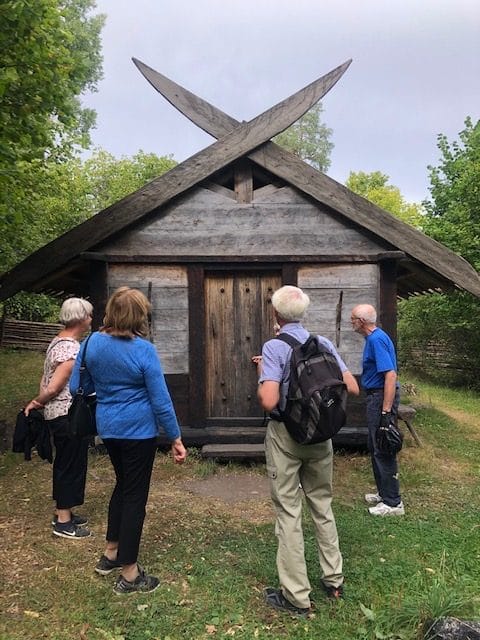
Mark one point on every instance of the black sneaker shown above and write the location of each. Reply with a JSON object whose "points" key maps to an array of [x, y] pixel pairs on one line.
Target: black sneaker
{"points": [[78, 521], [69, 530], [105, 566], [276, 599], [333, 593], [143, 583]]}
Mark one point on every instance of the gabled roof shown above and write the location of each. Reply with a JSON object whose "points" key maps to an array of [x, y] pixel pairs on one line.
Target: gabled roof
{"points": [[428, 264]]}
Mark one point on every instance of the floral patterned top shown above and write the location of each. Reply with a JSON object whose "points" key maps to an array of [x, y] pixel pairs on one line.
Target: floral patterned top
{"points": [[59, 350]]}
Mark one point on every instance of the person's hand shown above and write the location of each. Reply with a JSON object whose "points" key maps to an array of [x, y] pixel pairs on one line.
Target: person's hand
{"points": [[179, 452], [33, 404], [385, 419], [257, 361]]}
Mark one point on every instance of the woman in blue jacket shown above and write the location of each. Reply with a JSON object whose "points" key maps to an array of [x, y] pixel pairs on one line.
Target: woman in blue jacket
{"points": [[132, 403]]}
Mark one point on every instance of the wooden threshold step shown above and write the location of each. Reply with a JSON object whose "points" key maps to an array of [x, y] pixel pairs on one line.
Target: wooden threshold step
{"points": [[233, 451]]}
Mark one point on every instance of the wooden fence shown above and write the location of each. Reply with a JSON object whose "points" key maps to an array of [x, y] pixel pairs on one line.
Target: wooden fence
{"points": [[27, 335]]}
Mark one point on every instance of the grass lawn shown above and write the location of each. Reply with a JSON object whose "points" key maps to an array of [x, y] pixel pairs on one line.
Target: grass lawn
{"points": [[214, 557]]}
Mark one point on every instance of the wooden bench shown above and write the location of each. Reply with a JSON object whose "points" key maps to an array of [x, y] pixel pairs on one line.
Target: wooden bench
{"points": [[406, 414]]}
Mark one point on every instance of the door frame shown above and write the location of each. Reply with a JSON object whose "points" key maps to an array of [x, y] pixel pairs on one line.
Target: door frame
{"points": [[197, 404]]}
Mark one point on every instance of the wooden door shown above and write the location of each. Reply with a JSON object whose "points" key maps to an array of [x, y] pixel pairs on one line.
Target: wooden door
{"points": [[239, 319]]}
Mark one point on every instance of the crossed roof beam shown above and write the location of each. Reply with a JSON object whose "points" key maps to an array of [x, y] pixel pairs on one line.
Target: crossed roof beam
{"points": [[240, 139], [234, 140], [286, 165]]}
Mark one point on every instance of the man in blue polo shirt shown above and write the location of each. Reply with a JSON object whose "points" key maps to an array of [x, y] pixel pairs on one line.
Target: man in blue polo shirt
{"points": [[379, 380], [292, 467]]}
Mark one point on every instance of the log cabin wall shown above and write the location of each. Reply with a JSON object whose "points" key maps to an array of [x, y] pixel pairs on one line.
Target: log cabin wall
{"points": [[207, 236]]}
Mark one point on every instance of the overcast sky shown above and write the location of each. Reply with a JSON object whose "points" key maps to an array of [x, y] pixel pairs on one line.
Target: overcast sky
{"points": [[415, 74]]}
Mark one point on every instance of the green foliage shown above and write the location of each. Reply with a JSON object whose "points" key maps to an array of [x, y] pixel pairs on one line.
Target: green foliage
{"points": [[309, 139], [62, 195], [451, 321], [33, 307], [49, 55], [453, 213], [374, 187], [439, 336]]}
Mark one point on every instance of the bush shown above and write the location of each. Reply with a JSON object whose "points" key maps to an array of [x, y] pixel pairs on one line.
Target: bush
{"points": [[439, 337], [32, 306]]}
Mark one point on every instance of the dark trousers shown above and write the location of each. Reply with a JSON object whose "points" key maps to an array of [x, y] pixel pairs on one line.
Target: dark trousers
{"points": [[385, 467], [132, 461], [69, 465]]}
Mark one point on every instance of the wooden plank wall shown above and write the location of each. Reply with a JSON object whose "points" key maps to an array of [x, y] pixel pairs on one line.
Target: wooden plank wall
{"points": [[211, 224], [334, 290], [168, 286]]}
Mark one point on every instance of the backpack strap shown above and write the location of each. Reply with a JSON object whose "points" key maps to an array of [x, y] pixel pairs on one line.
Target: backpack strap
{"points": [[290, 340]]}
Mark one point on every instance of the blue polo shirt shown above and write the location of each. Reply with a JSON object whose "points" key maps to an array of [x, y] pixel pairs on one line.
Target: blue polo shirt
{"points": [[378, 358], [276, 358]]}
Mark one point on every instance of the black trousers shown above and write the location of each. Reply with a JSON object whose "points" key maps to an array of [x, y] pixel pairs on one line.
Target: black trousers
{"points": [[69, 465], [132, 461]]}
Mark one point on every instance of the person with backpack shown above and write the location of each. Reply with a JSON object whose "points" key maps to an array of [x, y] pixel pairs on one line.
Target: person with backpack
{"points": [[379, 380], [294, 466]]}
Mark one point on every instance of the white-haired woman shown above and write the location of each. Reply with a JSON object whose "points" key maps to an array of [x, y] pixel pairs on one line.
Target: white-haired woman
{"points": [[70, 461]]}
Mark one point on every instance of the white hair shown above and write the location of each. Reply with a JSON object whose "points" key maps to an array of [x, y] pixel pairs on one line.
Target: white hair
{"points": [[366, 312], [290, 303], [75, 310]]}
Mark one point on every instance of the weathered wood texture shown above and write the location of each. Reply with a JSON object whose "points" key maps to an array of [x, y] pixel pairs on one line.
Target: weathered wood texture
{"points": [[324, 284], [207, 224], [22, 334], [452, 629], [169, 298], [239, 318]]}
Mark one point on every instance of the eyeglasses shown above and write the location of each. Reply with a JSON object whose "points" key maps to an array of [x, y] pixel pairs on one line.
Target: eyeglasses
{"points": [[353, 318]]}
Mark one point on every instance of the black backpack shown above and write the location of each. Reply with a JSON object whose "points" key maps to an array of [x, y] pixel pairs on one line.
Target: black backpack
{"points": [[317, 396]]}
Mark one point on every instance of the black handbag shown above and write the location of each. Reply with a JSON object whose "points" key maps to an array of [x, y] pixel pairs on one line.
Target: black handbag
{"points": [[81, 414], [389, 439]]}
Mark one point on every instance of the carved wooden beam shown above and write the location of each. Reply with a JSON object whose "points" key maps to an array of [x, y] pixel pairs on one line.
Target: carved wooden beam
{"points": [[289, 167]]}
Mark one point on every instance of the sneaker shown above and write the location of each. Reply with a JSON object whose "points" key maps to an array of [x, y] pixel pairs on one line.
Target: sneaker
{"points": [[333, 593], [69, 530], [78, 521], [143, 583], [373, 498], [383, 509], [105, 566], [276, 599]]}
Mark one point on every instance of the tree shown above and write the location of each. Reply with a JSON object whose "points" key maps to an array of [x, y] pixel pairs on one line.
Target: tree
{"points": [[309, 139], [453, 218], [66, 194], [374, 187], [453, 213], [49, 55]]}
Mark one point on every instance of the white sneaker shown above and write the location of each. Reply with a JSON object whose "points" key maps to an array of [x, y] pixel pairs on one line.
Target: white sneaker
{"points": [[383, 509], [373, 498]]}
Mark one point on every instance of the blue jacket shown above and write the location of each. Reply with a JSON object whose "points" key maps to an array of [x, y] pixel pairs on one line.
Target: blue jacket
{"points": [[133, 401]]}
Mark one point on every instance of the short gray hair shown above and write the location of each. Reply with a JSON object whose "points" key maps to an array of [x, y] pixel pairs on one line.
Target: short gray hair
{"points": [[75, 310], [290, 303]]}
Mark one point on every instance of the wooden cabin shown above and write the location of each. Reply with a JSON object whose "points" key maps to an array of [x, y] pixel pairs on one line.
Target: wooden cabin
{"points": [[211, 240]]}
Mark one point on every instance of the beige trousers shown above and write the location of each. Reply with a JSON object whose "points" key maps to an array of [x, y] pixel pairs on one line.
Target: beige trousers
{"points": [[288, 465]]}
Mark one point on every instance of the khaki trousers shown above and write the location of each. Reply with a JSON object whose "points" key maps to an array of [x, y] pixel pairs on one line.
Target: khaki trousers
{"points": [[288, 465]]}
